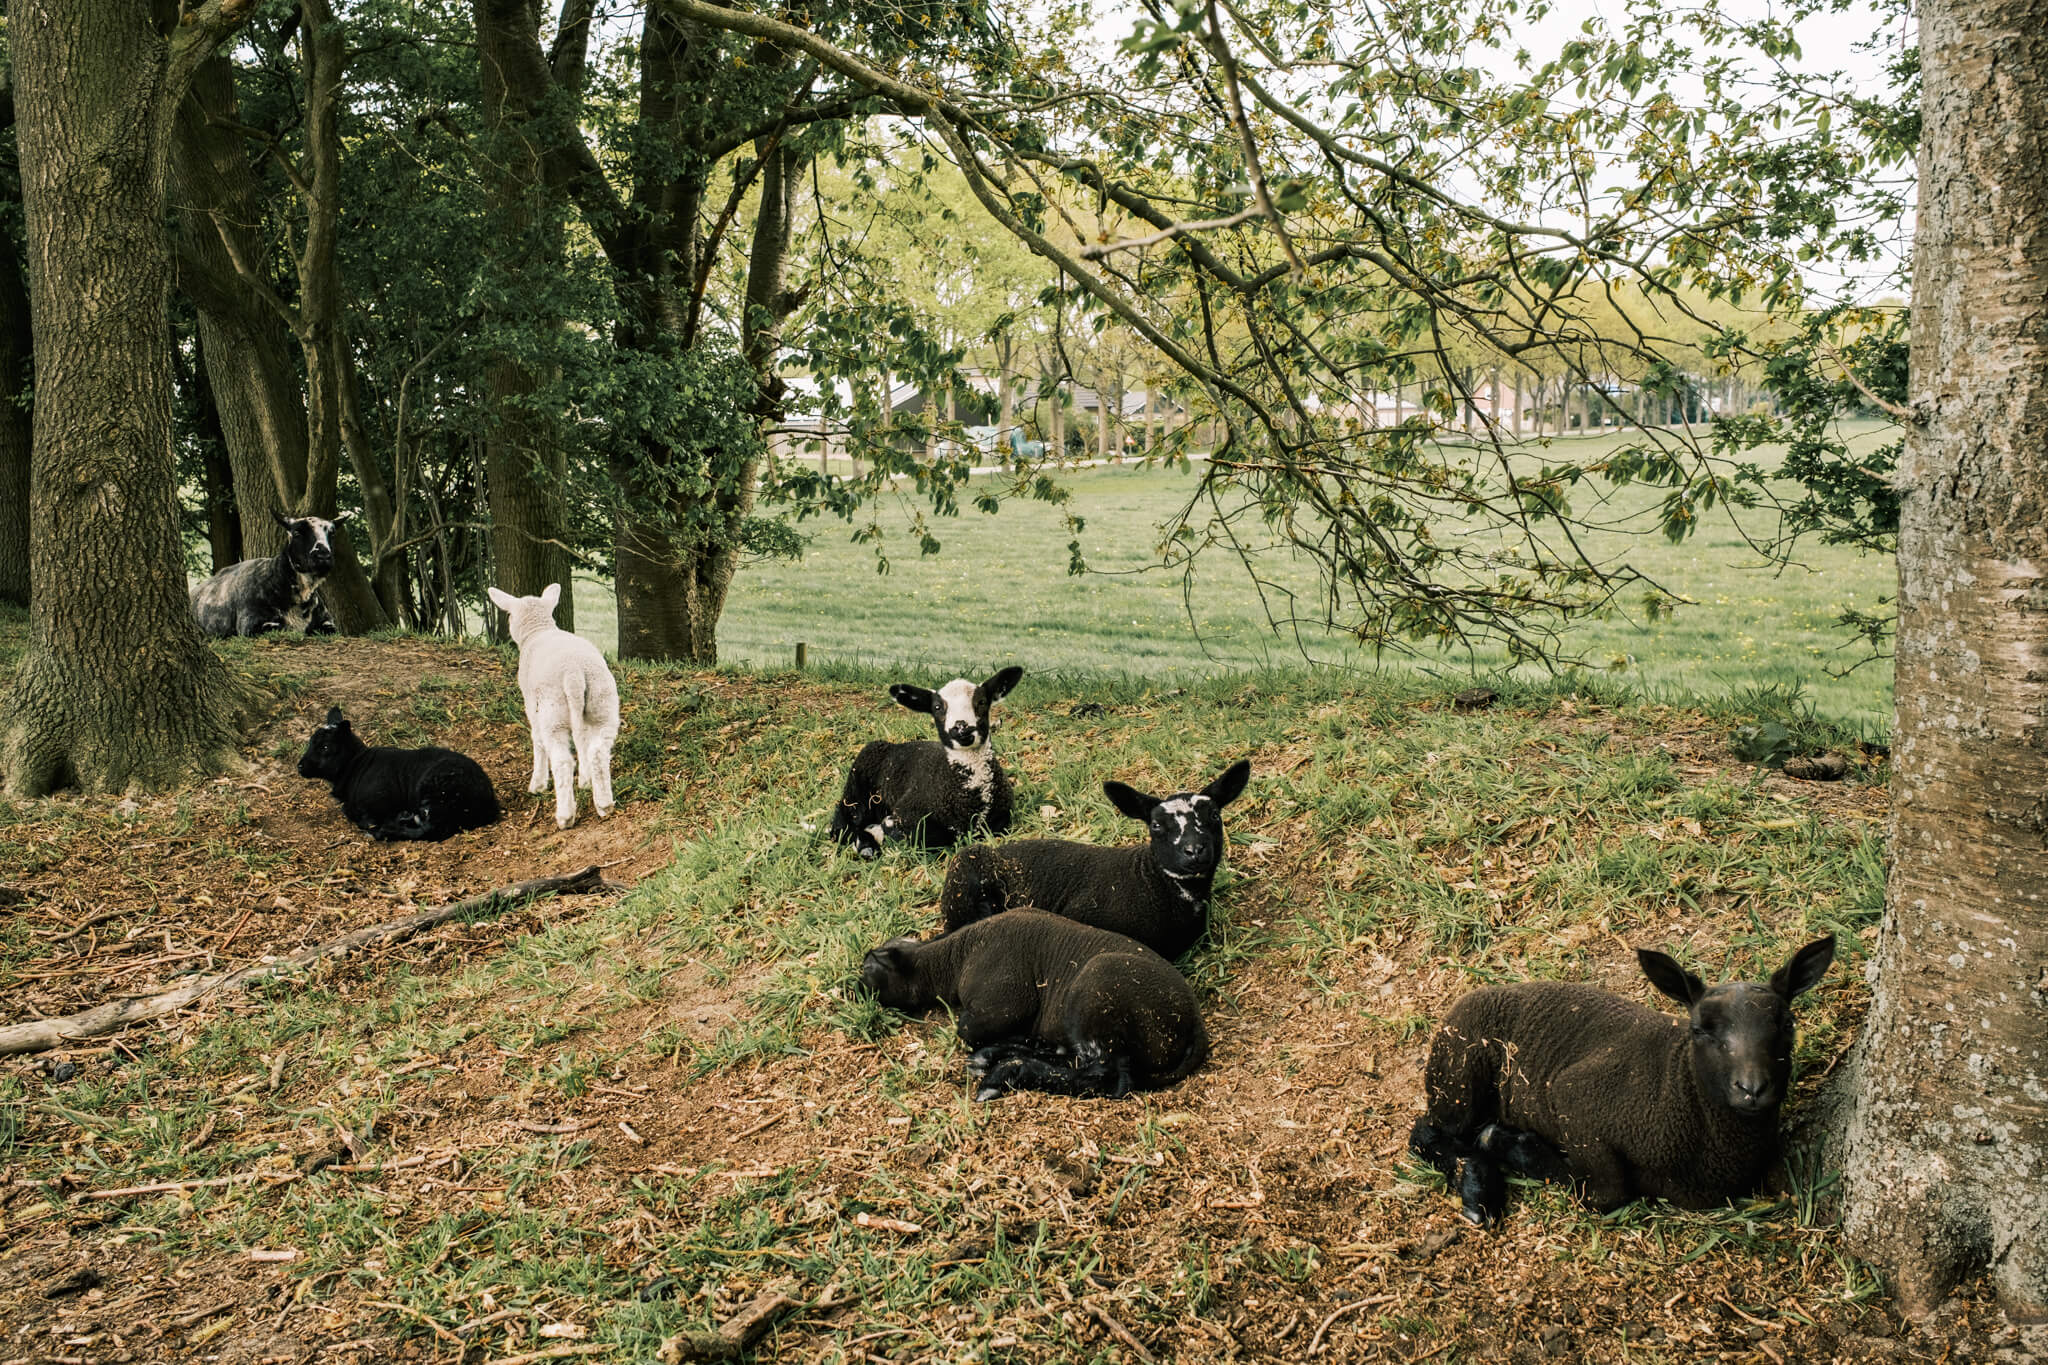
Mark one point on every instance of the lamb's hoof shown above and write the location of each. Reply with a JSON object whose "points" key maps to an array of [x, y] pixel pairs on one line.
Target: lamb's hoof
{"points": [[988, 1092], [536, 788], [605, 812], [981, 1061], [561, 823], [1478, 1218], [870, 851]]}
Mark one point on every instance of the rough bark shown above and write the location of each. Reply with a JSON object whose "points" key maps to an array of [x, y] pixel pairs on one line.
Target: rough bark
{"points": [[526, 470], [1947, 1144], [16, 356], [117, 690]]}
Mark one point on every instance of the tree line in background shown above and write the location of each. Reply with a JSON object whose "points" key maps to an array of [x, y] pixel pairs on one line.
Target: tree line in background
{"points": [[539, 292]]}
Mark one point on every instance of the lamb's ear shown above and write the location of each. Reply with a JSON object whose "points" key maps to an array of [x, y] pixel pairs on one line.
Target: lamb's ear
{"points": [[1230, 786], [1667, 976], [1130, 800], [335, 719], [1804, 969], [550, 595], [998, 687], [503, 601], [916, 698]]}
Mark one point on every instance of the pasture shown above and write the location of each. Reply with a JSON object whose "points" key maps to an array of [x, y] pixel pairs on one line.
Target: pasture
{"points": [[999, 591], [591, 1124]]}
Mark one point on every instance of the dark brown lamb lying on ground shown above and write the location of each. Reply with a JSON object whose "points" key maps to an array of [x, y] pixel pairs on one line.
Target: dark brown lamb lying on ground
{"points": [[1560, 1081], [1048, 1004]]}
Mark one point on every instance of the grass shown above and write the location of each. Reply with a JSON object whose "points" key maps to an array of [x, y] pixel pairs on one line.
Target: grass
{"points": [[999, 591], [1389, 853]]}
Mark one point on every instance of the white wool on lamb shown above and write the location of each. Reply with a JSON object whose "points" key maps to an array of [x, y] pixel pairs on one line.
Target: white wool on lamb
{"points": [[571, 698]]}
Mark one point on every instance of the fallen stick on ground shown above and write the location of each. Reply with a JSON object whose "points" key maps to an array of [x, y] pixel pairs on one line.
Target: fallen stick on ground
{"points": [[733, 1336], [40, 1035]]}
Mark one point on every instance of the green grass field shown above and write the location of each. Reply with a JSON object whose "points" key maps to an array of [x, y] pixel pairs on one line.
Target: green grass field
{"points": [[999, 591]]}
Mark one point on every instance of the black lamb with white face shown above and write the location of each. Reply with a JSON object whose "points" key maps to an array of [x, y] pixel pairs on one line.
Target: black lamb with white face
{"points": [[282, 592], [1048, 1004], [398, 794], [930, 793], [1156, 892], [1562, 1081]]}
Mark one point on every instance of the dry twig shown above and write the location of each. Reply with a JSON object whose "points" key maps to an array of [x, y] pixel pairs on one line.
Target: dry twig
{"points": [[43, 1034]]}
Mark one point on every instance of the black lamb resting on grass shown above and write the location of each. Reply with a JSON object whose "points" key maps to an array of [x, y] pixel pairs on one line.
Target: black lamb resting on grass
{"points": [[1155, 892], [1561, 1081], [1048, 1004], [933, 794], [278, 593], [399, 793]]}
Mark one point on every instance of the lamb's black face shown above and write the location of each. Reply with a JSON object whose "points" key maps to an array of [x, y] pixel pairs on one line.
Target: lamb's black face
{"points": [[887, 974], [1742, 1031], [328, 751], [1742, 1046], [960, 709], [1187, 827], [310, 548]]}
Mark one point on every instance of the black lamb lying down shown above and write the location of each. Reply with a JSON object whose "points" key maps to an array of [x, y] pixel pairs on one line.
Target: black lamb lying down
{"points": [[1048, 1004], [930, 793], [1155, 892], [1560, 1081], [399, 793]]}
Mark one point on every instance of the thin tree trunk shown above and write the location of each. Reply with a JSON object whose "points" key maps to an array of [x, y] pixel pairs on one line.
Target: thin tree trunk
{"points": [[223, 518], [220, 210], [527, 467], [350, 599], [1946, 1162], [118, 691]]}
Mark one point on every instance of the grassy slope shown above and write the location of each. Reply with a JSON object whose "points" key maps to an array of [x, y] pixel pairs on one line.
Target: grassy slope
{"points": [[1000, 591], [1389, 854]]}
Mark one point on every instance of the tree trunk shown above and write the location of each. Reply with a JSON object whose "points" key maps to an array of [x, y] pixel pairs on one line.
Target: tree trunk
{"points": [[1946, 1161], [220, 216], [526, 469], [1006, 398], [118, 690], [16, 356], [223, 518]]}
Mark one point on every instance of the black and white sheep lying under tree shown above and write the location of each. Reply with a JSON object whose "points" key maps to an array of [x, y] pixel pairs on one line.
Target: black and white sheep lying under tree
{"points": [[1048, 1004], [932, 794], [390, 793], [1560, 1081], [279, 593], [1156, 892]]}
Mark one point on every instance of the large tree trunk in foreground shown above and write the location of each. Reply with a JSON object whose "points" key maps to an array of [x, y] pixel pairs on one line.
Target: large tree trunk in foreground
{"points": [[118, 690], [16, 352], [1947, 1145]]}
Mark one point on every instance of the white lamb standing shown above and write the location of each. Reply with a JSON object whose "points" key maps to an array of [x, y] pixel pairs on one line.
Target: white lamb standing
{"points": [[570, 694]]}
